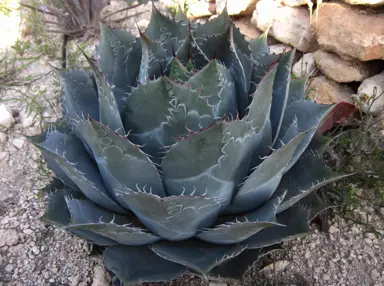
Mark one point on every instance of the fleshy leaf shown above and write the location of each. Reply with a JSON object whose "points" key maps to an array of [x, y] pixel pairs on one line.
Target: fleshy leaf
{"points": [[180, 16], [69, 153], [306, 176], [242, 227], [120, 58], [178, 73], [263, 181], [161, 111], [165, 31], [122, 229], [214, 27], [295, 224], [280, 92], [225, 50], [138, 264], [172, 218], [262, 60], [241, 264], [216, 85], [202, 151], [197, 255], [153, 60], [79, 97], [123, 166], [108, 109]]}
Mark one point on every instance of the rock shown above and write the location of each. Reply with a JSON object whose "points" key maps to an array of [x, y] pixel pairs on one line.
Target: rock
{"points": [[341, 70], [326, 91], [9, 268], [100, 277], [304, 66], [375, 275], [6, 118], [3, 137], [382, 211], [18, 142], [332, 229], [279, 49], [371, 88], [247, 29], [27, 119], [201, 9], [288, 25], [8, 237], [237, 7], [373, 3], [295, 3], [279, 265], [347, 32]]}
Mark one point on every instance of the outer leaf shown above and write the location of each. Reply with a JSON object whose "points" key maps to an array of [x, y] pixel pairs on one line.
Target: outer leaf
{"points": [[69, 153], [180, 16], [153, 60], [295, 221], [241, 264], [108, 108], [123, 166], [241, 228], [306, 176], [120, 57], [79, 97], [58, 214], [216, 85], [197, 255], [280, 92], [263, 181], [55, 135], [172, 218], [139, 264], [122, 229]]}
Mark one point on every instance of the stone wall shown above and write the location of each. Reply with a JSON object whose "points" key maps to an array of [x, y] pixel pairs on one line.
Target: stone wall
{"points": [[340, 44]]}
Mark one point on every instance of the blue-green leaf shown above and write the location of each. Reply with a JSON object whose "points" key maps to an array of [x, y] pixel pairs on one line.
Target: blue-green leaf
{"points": [[280, 92], [263, 181], [123, 166], [120, 57], [294, 224], [69, 153], [197, 255], [86, 216], [172, 218], [216, 85], [138, 264], [242, 227], [153, 60], [108, 109], [79, 96]]}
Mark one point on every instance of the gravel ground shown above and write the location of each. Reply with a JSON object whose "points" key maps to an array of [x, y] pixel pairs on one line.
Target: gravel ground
{"points": [[34, 253]]}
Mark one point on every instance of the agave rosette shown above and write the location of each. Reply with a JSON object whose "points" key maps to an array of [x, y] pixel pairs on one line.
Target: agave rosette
{"points": [[187, 149]]}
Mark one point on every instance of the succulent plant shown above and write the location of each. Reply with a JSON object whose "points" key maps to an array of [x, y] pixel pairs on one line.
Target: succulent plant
{"points": [[187, 149]]}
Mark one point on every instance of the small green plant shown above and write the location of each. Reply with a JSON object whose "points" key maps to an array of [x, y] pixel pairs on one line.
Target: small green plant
{"points": [[163, 158]]}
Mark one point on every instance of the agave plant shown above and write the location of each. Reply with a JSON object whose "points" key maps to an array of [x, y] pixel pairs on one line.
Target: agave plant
{"points": [[187, 149]]}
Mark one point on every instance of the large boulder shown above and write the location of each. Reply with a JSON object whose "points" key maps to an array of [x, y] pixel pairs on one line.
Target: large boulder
{"points": [[289, 25], [370, 94], [348, 32], [341, 70], [373, 3], [326, 91], [237, 7]]}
